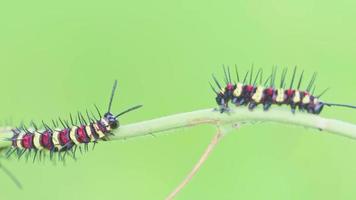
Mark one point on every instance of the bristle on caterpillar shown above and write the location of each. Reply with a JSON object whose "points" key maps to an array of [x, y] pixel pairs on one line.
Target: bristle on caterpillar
{"points": [[66, 139], [266, 93]]}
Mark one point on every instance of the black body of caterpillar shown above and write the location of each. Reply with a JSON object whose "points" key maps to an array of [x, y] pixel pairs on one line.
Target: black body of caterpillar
{"points": [[69, 137], [267, 94]]}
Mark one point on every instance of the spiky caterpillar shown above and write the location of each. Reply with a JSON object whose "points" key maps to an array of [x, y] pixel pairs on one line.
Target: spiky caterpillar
{"points": [[68, 138], [249, 94]]}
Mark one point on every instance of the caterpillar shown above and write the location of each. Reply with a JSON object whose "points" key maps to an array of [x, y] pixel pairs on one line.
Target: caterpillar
{"points": [[268, 93], [70, 136]]}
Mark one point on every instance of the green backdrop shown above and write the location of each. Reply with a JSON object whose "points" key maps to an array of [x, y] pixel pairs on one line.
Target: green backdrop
{"points": [[60, 57]]}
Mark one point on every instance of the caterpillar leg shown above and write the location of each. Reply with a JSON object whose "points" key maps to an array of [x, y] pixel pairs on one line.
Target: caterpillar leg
{"points": [[266, 106], [223, 104], [234, 100], [252, 105], [224, 108], [293, 107], [301, 108], [240, 102]]}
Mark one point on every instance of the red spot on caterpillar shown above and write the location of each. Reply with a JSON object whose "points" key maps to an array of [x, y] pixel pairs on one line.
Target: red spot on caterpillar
{"points": [[27, 140], [63, 137], [249, 88], [46, 140], [81, 135], [289, 93], [229, 86], [269, 91]]}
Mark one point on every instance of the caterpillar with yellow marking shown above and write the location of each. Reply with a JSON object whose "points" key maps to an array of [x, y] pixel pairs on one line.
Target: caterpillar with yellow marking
{"points": [[67, 138], [248, 93]]}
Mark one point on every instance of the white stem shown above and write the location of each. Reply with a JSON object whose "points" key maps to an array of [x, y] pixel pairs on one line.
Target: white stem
{"points": [[236, 116], [209, 116]]}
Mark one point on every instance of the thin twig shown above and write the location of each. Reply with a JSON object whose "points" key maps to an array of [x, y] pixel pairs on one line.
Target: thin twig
{"points": [[197, 166]]}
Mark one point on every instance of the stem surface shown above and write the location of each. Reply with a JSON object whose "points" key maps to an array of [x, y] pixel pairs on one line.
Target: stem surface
{"points": [[236, 116], [210, 116]]}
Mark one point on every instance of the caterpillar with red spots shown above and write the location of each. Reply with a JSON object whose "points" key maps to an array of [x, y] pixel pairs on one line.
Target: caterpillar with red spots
{"points": [[67, 138], [267, 93]]}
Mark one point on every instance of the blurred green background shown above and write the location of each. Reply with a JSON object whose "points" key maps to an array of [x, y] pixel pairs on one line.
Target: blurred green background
{"points": [[60, 57]]}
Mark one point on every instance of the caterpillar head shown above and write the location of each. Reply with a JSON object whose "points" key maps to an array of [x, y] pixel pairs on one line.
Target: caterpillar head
{"points": [[112, 119], [318, 106]]}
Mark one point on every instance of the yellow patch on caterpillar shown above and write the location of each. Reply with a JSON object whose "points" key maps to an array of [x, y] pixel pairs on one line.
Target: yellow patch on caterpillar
{"points": [[257, 97], [19, 140], [280, 95], [98, 131], [296, 98], [55, 140], [89, 133], [306, 99], [72, 135], [36, 141], [237, 92]]}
